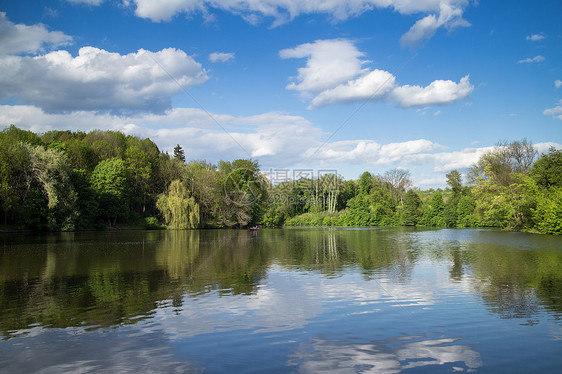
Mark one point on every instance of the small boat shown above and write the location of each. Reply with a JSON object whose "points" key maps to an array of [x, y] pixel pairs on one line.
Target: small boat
{"points": [[254, 228]]}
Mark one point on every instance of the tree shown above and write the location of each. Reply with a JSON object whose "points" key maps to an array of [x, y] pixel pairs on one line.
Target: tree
{"points": [[454, 180], [244, 192], [547, 170], [411, 213], [465, 212], [433, 214], [51, 169], [179, 209], [365, 181], [110, 180], [500, 164], [397, 180], [548, 212], [179, 153], [139, 169]]}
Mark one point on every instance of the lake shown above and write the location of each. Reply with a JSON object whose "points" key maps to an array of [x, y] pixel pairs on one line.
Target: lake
{"points": [[380, 300]]}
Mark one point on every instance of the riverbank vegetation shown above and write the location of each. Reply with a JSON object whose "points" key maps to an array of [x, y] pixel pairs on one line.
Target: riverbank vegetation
{"points": [[63, 180]]}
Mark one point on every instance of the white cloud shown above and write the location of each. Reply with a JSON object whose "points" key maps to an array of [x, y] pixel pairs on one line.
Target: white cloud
{"points": [[272, 136], [20, 38], [446, 13], [99, 80], [555, 112], [334, 74], [329, 63], [450, 16], [221, 56], [374, 85], [558, 83], [536, 37], [278, 140], [528, 60], [439, 92], [371, 152]]}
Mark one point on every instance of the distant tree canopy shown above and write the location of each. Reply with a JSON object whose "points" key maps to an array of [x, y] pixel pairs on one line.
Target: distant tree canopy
{"points": [[63, 180]]}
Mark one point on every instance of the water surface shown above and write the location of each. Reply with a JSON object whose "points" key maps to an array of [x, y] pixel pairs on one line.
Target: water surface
{"points": [[383, 300]]}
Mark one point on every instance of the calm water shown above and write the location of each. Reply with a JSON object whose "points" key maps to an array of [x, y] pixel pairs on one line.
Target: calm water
{"points": [[294, 300]]}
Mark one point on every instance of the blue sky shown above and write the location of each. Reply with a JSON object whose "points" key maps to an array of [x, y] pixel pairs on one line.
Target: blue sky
{"points": [[427, 85]]}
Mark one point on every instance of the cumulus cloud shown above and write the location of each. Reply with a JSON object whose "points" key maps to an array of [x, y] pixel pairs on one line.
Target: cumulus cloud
{"points": [[329, 63], [374, 85], [278, 140], [334, 74], [558, 83], [220, 57], [449, 16], [371, 152], [529, 60], [439, 92], [555, 111], [271, 136], [536, 37], [99, 80], [442, 13], [19, 38]]}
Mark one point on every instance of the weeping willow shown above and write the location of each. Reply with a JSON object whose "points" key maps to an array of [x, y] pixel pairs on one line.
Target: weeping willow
{"points": [[179, 209]]}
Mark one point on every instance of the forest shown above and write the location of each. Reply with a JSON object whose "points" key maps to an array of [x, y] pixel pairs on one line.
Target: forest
{"points": [[65, 181]]}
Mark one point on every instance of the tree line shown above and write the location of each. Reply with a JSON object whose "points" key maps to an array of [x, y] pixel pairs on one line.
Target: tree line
{"points": [[510, 187], [64, 180]]}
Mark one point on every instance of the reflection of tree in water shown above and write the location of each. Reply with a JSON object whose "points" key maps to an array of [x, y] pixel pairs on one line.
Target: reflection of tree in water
{"points": [[518, 283], [106, 279], [389, 356], [229, 261], [331, 251]]}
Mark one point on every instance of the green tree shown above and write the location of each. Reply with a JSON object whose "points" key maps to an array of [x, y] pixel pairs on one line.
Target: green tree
{"points": [[547, 170], [548, 212], [500, 164], [139, 168], [397, 181], [465, 212], [454, 180], [364, 183], [80, 155], [433, 214], [86, 202], [179, 209], [110, 180], [179, 153], [411, 213], [51, 168]]}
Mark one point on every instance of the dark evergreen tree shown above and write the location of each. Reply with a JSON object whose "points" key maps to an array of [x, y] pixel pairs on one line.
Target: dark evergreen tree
{"points": [[179, 153]]}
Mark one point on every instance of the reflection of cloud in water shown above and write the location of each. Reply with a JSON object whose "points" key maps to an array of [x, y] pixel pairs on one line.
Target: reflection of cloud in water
{"points": [[126, 350], [390, 356], [289, 301]]}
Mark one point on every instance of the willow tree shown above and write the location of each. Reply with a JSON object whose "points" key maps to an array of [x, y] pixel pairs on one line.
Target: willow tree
{"points": [[179, 209]]}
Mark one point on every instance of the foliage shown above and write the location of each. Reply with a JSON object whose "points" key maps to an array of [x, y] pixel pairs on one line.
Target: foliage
{"points": [[548, 212], [547, 170], [64, 180], [411, 214], [179, 209], [179, 153], [110, 181], [433, 214], [51, 169]]}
